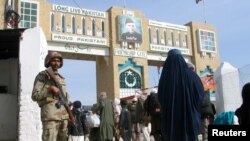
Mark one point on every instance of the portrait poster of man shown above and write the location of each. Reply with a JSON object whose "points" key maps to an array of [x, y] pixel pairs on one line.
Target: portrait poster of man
{"points": [[130, 29]]}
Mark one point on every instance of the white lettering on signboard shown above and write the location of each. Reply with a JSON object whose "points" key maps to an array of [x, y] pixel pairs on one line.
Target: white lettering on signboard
{"points": [[130, 53], [80, 11], [162, 48], [78, 39]]}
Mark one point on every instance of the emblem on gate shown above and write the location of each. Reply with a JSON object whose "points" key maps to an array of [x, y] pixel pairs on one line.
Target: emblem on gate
{"points": [[130, 79]]}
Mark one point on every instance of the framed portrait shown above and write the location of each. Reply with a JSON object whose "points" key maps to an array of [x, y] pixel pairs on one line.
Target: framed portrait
{"points": [[130, 29]]}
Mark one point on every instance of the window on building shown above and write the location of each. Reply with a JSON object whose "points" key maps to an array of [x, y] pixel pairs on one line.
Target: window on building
{"points": [[165, 38], [93, 27], [206, 40], [73, 24], [186, 38], [83, 26], [63, 23], [180, 39], [149, 35], [103, 29], [29, 14], [172, 37], [158, 36], [52, 22]]}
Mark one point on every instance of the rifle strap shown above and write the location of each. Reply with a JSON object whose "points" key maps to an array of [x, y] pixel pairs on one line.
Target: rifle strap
{"points": [[52, 75]]}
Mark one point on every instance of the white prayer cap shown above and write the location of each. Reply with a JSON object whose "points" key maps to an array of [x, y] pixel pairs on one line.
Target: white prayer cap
{"points": [[134, 99], [154, 90]]}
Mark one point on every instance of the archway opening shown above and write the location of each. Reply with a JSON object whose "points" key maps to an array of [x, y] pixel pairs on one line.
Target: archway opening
{"points": [[80, 76]]}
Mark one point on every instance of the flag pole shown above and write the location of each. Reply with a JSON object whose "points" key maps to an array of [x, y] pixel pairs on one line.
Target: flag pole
{"points": [[124, 3], [204, 11]]}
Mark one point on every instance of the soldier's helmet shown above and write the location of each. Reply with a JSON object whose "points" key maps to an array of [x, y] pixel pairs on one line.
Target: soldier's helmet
{"points": [[50, 56]]}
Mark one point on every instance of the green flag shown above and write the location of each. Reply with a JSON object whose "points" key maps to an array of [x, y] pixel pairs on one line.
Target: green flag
{"points": [[197, 1]]}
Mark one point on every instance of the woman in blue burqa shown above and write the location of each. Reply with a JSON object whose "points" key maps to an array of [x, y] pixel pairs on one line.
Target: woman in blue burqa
{"points": [[180, 93]]}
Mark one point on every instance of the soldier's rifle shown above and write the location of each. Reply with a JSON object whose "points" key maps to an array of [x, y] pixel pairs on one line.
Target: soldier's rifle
{"points": [[62, 99]]}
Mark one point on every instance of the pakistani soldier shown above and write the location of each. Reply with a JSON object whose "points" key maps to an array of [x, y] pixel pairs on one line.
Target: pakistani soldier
{"points": [[45, 92]]}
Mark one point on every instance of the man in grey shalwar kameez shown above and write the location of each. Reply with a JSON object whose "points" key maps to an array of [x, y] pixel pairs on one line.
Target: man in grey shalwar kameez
{"points": [[105, 108]]}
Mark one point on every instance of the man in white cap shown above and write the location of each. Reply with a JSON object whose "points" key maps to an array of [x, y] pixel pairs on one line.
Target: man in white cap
{"points": [[105, 108]]}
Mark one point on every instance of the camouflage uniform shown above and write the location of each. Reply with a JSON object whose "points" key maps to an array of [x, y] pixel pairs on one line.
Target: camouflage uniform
{"points": [[54, 120]]}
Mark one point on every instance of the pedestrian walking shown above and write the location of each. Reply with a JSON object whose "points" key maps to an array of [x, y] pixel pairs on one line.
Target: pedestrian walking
{"points": [[180, 93], [206, 111], [153, 109], [105, 108], [243, 112], [142, 118], [132, 109], [117, 112], [125, 124], [80, 130]]}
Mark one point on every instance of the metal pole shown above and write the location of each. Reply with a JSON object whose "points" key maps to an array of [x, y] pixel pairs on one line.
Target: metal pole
{"points": [[204, 11], [124, 3]]}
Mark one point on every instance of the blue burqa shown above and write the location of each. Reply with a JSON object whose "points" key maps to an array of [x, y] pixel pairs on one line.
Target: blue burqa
{"points": [[180, 94]]}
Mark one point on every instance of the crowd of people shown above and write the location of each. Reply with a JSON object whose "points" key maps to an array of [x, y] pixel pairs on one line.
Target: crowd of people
{"points": [[179, 110]]}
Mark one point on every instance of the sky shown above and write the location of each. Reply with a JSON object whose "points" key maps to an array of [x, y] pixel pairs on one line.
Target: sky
{"points": [[231, 18]]}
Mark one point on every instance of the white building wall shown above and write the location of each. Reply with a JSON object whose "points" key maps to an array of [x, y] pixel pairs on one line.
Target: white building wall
{"points": [[244, 75], [228, 96], [33, 49]]}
